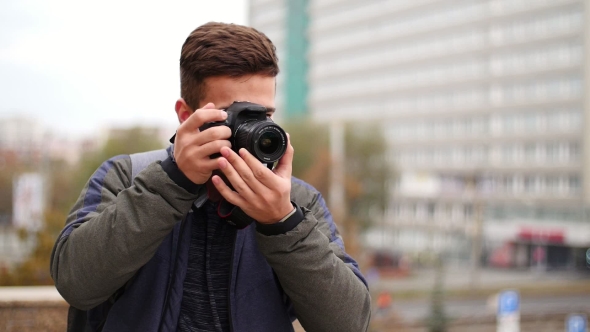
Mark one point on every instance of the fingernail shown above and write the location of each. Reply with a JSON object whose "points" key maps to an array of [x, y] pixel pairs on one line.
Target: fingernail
{"points": [[215, 180], [222, 163], [243, 152], [223, 114], [224, 151]]}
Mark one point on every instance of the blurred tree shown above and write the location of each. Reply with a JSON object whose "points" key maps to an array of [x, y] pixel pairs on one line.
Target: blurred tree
{"points": [[65, 183], [35, 270], [10, 165], [312, 154], [367, 172], [120, 141]]}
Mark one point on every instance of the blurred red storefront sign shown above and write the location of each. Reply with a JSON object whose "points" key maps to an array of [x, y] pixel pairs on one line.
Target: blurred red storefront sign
{"points": [[555, 236]]}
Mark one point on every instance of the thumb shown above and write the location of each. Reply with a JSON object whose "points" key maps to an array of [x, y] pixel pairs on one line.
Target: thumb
{"points": [[285, 166]]}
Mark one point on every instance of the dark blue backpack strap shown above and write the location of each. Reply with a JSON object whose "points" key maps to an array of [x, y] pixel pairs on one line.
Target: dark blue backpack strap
{"points": [[141, 160]]}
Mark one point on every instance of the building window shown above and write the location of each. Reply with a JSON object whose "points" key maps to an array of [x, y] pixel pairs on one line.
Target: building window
{"points": [[430, 211], [468, 212], [574, 184], [552, 152], [508, 184], [552, 184], [574, 151], [530, 152], [508, 153], [529, 184], [530, 122]]}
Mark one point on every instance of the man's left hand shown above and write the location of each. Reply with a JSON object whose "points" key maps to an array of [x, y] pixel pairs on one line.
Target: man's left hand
{"points": [[262, 194]]}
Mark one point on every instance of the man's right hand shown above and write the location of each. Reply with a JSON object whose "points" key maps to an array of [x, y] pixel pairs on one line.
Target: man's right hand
{"points": [[193, 148]]}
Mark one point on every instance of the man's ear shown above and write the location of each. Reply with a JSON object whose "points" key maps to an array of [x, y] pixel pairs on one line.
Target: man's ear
{"points": [[183, 111]]}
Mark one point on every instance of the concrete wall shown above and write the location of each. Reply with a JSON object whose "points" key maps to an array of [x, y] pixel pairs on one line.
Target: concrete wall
{"points": [[33, 316]]}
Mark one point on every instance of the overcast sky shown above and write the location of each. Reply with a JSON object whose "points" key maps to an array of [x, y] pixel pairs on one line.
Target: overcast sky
{"points": [[80, 65]]}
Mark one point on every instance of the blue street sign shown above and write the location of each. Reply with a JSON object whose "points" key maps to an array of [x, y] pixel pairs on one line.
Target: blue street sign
{"points": [[509, 303], [576, 323]]}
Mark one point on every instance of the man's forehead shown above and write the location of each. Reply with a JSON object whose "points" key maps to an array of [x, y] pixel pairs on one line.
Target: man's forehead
{"points": [[224, 90]]}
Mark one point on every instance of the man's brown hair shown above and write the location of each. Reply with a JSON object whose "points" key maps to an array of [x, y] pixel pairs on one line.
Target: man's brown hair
{"points": [[221, 49]]}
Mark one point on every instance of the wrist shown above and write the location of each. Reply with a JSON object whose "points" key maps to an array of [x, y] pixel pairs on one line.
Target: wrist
{"points": [[175, 173], [282, 227], [288, 215]]}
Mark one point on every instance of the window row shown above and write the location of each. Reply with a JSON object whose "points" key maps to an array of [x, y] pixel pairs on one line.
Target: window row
{"points": [[541, 185], [540, 27], [542, 59], [565, 21], [513, 123], [508, 6], [536, 91], [533, 154], [541, 152], [556, 89], [437, 101], [537, 213], [552, 57], [370, 16], [452, 213], [388, 80], [455, 213], [391, 53], [332, 13], [539, 122]]}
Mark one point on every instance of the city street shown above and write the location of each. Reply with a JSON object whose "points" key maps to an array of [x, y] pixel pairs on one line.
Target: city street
{"points": [[411, 310]]}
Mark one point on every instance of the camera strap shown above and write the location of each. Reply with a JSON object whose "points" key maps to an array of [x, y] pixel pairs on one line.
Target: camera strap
{"points": [[233, 215]]}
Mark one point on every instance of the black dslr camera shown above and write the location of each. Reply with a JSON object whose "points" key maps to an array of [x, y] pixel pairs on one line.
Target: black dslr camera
{"points": [[253, 130]]}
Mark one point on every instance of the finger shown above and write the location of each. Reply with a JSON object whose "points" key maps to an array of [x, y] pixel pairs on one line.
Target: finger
{"points": [[208, 106], [259, 170], [213, 147], [200, 160], [212, 134], [245, 172], [285, 165], [233, 177], [202, 116], [225, 191]]}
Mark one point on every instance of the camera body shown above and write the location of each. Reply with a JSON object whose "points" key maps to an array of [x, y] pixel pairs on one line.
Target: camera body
{"points": [[253, 130]]}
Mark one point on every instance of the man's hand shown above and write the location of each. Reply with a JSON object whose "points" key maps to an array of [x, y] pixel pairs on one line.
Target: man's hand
{"points": [[192, 147], [262, 194]]}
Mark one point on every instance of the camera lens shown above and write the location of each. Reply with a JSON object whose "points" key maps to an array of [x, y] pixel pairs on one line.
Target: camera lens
{"points": [[269, 142], [264, 139]]}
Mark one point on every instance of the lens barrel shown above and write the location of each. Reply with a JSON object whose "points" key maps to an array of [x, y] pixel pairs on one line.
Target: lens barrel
{"points": [[263, 139]]}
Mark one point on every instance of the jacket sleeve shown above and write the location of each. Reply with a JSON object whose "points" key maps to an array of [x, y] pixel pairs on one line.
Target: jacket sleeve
{"points": [[322, 281], [114, 229]]}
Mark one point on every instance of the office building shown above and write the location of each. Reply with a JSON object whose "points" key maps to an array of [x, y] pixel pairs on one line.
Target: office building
{"points": [[482, 103]]}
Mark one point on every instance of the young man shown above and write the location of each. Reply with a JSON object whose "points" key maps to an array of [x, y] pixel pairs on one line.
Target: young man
{"points": [[151, 253]]}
